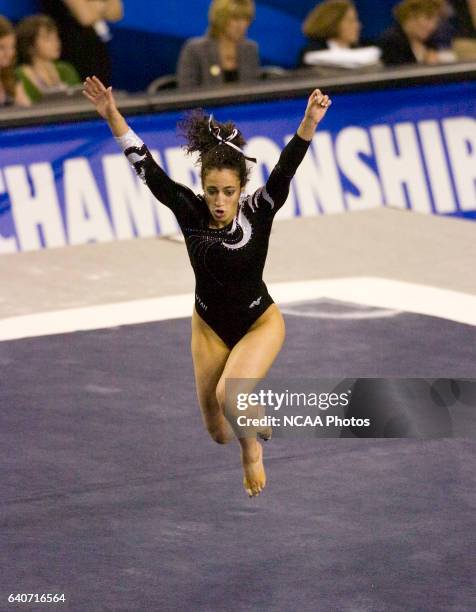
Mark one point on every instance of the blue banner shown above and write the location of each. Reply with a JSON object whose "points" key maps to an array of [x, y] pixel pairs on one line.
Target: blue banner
{"points": [[409, 148]]}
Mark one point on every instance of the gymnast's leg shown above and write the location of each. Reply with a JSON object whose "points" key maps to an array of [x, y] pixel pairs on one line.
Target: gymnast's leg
{"points": [[251, 358], [209, 354]]}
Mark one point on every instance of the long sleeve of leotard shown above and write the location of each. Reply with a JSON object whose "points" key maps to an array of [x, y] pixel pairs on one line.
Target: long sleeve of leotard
{"points": [[280, 178], [273, 195], [179, 198]]}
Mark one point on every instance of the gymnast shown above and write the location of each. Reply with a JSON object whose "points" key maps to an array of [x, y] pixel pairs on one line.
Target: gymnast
{"points": [[237, 329]]}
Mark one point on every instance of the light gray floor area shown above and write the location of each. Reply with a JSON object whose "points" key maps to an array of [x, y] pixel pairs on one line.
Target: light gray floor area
{"points": [[388, 243]]}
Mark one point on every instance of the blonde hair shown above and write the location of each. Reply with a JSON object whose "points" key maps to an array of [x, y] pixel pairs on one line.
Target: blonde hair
{"points": [[410, 8], [324, 19], [221, 11]]}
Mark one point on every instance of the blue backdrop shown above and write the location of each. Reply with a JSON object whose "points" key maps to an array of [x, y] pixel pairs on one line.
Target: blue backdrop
{"points": [[408, 148], [147, 41]]}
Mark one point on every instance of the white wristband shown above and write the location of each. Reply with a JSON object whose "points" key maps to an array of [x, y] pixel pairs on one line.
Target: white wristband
{"points": [[129, 139]]}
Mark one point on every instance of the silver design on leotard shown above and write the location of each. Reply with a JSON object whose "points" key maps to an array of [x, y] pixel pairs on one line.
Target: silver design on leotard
{"points": [[199, 246], [253, 201], [129, 139], [134, 157], [267, 197], [246, 228]]}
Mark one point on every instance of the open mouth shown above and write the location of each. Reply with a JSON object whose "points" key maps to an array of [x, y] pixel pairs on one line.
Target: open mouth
{"points": [[219, 212]]}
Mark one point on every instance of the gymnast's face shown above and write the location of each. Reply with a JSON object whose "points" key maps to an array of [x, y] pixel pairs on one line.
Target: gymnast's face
{"points": [[222, 191]]}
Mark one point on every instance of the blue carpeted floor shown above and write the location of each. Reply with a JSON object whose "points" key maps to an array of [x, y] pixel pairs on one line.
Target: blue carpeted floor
{"points": [[112, 493]]}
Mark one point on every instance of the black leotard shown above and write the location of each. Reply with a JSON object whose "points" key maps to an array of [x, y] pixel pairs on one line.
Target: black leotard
{"points": [[228, 263]]}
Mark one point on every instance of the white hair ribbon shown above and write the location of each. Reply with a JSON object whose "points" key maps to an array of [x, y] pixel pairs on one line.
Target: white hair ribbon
{"points": [[216, 132]]}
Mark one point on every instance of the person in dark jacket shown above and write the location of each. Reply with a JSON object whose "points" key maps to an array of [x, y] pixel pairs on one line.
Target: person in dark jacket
{"points": [[465, 17], [407, 41], [224, 54], [464, 26], [84, 33]]}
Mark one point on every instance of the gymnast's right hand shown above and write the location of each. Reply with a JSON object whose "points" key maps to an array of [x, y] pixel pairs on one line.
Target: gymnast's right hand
{"points": [[100, 96]]}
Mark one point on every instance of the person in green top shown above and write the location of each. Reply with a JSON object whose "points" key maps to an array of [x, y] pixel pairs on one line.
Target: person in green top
{"points": [[39, 47]]}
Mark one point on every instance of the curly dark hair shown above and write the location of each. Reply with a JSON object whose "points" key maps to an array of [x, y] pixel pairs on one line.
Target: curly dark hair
{"points": [[213, 154]]}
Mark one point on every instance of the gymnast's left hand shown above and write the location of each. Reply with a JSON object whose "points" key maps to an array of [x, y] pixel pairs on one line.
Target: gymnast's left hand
{"points": [[100, 96], [317, 106]]}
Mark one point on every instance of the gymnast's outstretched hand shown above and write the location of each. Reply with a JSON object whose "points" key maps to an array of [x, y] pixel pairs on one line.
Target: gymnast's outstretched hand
{"points": [[317, 106], [100, 96], [105, 104], [316, 109]]}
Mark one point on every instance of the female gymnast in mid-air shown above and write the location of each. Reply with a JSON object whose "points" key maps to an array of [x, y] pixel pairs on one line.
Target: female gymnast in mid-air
{"points": [[237, 329]]}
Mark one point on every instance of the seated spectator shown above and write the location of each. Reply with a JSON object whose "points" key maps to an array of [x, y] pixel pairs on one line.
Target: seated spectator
{"points": [[464, 39], [407, 41], [331, 24], [465, 17], [443, 36], [39, 48], [11, 91], [224, 54], [84, 33]]}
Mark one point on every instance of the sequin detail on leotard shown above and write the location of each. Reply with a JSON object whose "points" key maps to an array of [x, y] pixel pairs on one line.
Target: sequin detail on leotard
{"points": [[228, 263]]}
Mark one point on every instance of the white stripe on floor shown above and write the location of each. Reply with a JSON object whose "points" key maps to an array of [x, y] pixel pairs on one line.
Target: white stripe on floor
{"points": [[349, 315], [369, 291]]}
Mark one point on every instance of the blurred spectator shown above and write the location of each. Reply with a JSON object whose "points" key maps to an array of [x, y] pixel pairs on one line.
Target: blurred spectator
{"points": [[464, 19], [39, 48], [11, 91], [331, 23], [84, 33], [333, 29], [224, 54], [407, 41], [443, 37]]}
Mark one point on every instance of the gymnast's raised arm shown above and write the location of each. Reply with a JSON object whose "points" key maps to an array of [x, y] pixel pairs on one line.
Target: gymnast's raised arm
{"points": [[277, 186], [179, 198]]}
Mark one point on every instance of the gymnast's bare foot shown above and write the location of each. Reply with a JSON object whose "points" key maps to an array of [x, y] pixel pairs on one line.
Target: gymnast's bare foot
{"points": [[254, 479]]}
